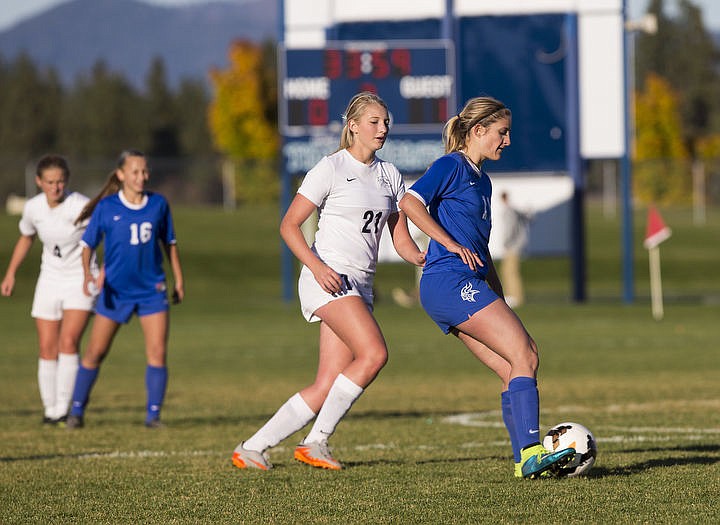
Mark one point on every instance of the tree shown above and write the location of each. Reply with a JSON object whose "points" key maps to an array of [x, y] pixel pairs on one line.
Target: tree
{"points": [[237, 120], [192, 101], [162, 118], [239, 125], [30, 108], [661, 173], [683, 52], [103, 115]]}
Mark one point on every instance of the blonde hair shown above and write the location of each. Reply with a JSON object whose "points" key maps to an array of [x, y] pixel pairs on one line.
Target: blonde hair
{"points": [[478, 110], [112, 184], [355, 109]]}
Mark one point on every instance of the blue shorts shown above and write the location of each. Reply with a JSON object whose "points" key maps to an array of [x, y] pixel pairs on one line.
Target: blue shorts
{"points": [[121, 310], [452, 298]]}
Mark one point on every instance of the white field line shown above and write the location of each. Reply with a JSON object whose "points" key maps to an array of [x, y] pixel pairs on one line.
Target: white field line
{"points": [[486, 419], [492, 419]]}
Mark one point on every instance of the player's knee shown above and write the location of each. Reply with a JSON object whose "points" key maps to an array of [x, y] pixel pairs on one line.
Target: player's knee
{"points": [[375, 360], [68, 345]]}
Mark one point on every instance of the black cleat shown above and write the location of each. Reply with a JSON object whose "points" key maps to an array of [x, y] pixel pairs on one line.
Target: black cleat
{"points": [[73, 422]]}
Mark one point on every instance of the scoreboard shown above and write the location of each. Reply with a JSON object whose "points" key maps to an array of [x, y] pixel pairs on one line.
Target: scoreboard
{"points": [[415, 78]]}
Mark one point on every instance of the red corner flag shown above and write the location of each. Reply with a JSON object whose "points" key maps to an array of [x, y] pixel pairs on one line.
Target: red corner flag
{"points": [[656, 231]]}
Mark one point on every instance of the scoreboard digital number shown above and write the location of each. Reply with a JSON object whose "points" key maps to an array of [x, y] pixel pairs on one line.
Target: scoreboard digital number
{"points": [[416, 79]]}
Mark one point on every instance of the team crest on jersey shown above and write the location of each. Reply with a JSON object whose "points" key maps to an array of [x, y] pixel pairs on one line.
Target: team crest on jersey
{"points": [[468, 294], [383, 179]]}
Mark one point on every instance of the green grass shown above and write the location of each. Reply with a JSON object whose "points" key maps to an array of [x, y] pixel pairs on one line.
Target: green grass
{"points": [[650, 391]]}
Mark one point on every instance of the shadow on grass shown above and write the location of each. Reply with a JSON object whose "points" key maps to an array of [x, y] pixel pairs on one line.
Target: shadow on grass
{"points": [[672, 461]]}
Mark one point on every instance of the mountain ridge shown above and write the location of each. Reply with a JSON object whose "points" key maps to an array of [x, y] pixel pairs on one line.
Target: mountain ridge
{"points": [[127, 35]]}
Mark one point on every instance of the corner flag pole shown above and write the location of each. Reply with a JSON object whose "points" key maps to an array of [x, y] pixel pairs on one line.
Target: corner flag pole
{"points": [[656, 233]]}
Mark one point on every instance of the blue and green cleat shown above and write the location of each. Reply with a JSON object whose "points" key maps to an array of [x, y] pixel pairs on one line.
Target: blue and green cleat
{"points": [[538, 462]]}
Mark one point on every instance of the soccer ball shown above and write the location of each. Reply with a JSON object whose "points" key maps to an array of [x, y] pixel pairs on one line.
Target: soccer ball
{"points": [[573, 435]]}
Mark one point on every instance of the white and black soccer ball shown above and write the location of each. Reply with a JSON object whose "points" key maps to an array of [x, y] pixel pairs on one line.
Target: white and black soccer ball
{"points": [[573, 435]]}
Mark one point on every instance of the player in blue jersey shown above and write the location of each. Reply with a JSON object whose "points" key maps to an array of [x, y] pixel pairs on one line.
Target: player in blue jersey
{"points": [[460, 289], [136, 227]]}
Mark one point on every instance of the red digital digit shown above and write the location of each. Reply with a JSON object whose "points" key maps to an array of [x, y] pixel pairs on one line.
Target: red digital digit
{"points": [[333, 63], [381, 68], [317, 112], [353, 64], [442, 110], [368, 86], [400, 62]]}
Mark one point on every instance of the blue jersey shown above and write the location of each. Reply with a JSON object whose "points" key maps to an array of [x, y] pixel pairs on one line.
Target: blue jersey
{"points": [[134, 235], [457, 195]]}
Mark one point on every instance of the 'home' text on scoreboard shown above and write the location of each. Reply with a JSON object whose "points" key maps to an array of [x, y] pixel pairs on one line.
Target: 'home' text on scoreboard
{"points": [[415, 78]]}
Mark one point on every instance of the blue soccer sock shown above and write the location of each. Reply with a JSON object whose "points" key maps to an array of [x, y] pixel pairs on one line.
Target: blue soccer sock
{"points": [[525, 402], [510, 424], [81, 393], [156, 378]]}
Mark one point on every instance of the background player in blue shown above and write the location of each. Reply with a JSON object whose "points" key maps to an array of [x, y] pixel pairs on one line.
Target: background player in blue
{"points": [[460, 289], [136, 226], [356, 194]]}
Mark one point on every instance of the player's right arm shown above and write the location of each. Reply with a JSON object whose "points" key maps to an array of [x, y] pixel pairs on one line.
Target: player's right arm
{"points": [[90, 282], [290, 230], [416, 211], [22, 247]]}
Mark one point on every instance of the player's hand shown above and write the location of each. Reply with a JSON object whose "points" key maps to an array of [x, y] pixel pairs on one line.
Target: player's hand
{"points": [[6, 288], [420, 259], [328, 279], [468, 256], [91, 286], [178, 294]]}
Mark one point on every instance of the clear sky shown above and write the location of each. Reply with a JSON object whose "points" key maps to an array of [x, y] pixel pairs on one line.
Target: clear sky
{"points": [[13, 11]]}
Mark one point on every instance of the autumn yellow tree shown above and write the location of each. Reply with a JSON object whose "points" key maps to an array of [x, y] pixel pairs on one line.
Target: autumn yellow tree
{"points": [[661, 173], [238, 123]]}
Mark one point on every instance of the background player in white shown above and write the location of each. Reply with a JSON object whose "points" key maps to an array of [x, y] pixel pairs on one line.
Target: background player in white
{"points": [[136, 226], [355, 194], [60, 308], [460, 289]]}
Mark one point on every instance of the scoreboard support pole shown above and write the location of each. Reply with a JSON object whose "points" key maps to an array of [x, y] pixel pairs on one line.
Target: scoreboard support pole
{"points": [[574, 163], [287, 260]]}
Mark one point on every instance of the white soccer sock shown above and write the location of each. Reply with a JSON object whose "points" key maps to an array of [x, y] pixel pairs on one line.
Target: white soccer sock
{"points": [[66, 373], [341, 397], [292, 416], [47, 370]]}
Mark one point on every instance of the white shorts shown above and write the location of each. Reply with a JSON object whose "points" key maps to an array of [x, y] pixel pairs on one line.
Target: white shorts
{"points": [[312, 296], [52, 296]]}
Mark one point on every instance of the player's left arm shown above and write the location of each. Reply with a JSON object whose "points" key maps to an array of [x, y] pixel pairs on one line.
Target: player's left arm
{"points": [[403, 242], [492, 278], [179, 286]]}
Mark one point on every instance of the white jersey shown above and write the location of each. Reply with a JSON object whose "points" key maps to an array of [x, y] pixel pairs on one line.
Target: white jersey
{"points": [[354, 202], [60, 236]]}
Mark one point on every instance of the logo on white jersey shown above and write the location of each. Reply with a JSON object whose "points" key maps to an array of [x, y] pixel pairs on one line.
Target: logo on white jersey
{"points": [[468, 294], [382, 178]]}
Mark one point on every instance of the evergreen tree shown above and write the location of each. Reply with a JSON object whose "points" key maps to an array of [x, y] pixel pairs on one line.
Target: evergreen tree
{"points": [[30, 107], [161, 113], [192, 101], [103, 115]]}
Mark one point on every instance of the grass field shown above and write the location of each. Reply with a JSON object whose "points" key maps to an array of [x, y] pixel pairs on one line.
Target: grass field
{"points": [[425, 444]]}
